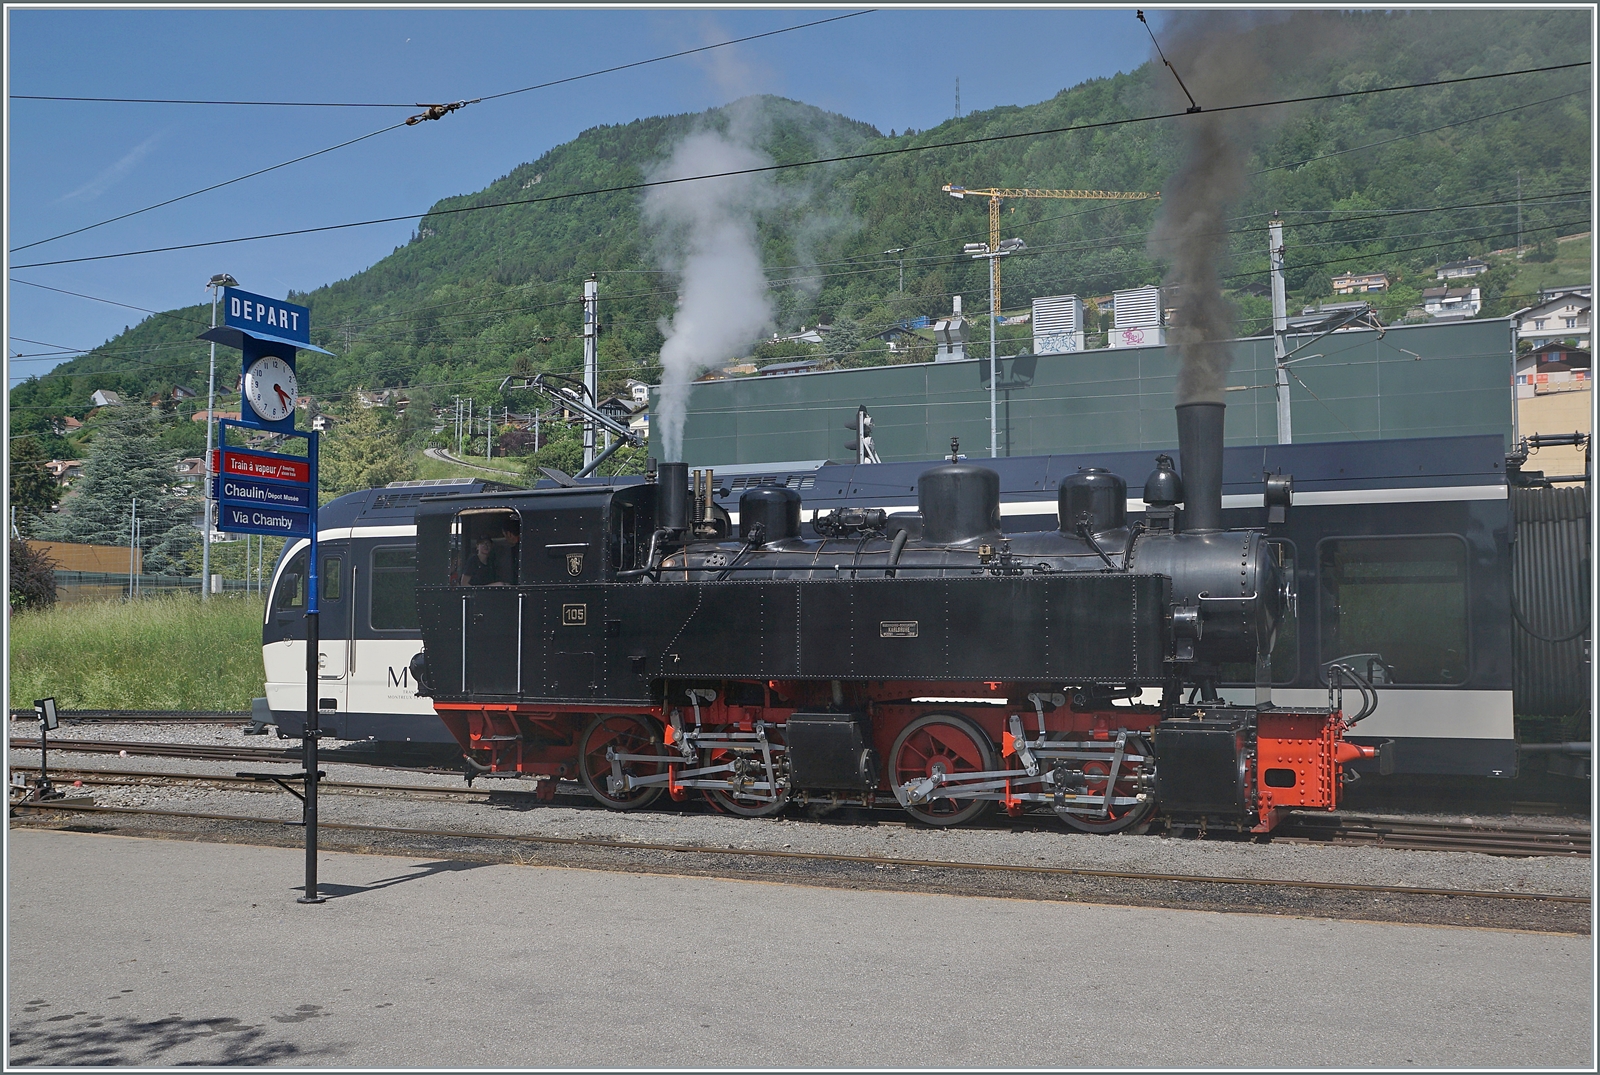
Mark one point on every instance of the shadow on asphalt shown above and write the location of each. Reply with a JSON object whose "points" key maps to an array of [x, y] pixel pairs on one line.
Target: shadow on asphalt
{"points": [[424, 870], [85, 1040]]}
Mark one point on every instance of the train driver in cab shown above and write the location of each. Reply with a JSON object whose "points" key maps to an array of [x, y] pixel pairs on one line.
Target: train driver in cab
{"points": [[505, 553], [479, 570]]}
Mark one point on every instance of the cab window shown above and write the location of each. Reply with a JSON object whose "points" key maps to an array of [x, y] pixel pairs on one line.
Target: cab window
{"points": [[290, 595]]}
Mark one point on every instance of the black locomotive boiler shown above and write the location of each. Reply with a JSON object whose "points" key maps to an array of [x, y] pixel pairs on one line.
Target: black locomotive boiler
{"points": [[641, 643]]}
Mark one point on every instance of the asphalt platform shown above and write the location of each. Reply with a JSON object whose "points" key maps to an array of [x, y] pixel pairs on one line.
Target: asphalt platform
{"points": [[128, 951]]}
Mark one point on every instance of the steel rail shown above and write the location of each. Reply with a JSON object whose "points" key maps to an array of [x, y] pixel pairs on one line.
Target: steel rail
{"points": [[206, 752], [814, 856], [140, 716], [137, 778], [1519, 841]]}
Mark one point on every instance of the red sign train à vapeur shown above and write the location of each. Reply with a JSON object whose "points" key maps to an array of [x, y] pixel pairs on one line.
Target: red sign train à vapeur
{"points": [[268, 465]]}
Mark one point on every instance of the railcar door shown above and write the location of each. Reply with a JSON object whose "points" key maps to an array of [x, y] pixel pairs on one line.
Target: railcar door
{"points": [[284, 636], [333, 636]]}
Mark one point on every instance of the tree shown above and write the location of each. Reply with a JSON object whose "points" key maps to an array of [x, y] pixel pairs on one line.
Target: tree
{"points": [[32, 576], [33, 491], [362, 452], [843, 343], [127, 462]]}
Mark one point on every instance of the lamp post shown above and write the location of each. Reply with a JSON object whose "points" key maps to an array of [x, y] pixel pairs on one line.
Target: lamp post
{"points": [[981, 252], [902, 261], [220, 280]]}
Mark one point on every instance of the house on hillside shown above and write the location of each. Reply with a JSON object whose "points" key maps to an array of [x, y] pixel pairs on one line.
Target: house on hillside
{"points": [[618, 409], [807, 334], [799, 365], [1561, 317], [190, 471], [1548, 293], [1553, 363], [387, 397], [180, 393], [1457, 270], [64, 471], [104, 397], [1451, 303], [201, 416], [638, 391], [1353, 283]]}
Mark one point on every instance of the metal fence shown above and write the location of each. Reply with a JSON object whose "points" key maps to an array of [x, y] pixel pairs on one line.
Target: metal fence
{"points": [[73, 587]]}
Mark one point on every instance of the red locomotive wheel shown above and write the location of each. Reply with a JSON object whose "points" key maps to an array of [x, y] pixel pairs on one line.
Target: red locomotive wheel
{"points": [[942, 743], [628, 735], [1122, 818]]}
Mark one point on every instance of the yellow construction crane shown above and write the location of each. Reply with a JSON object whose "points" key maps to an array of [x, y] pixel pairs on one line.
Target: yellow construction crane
{"points": [[996, 194]]}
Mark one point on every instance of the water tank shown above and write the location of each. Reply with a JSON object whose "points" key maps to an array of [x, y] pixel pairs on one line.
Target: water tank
{"points": [[958, 502], [1095, 494], [768, 513]]}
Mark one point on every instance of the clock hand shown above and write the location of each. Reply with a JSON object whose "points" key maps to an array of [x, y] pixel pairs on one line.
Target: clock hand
{"points": [[283, 397]]}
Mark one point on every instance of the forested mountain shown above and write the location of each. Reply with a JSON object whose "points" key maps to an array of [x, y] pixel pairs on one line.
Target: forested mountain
{"points": [[477, 294]]}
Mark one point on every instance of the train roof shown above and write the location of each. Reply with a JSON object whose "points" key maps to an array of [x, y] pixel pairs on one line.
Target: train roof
{"points": [[1428, 462], [396, 502], [1358, 464]]}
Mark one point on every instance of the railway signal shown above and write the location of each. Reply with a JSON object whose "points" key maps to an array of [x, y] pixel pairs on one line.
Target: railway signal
{"points": [[861, 443]]}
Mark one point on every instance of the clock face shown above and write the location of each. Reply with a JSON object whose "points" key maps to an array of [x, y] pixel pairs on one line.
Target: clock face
{"points": [[270, 386]]}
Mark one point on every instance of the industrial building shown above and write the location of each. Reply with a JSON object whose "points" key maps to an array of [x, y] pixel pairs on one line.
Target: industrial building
{"points": [[1408, 381]]}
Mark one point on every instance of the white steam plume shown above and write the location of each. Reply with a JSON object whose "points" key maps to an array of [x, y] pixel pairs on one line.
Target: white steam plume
{"points": [[706, 233]]}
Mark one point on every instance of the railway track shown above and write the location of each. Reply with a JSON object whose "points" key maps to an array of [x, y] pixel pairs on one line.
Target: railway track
{"points": [[1523, 841], [874, 861], [209, 752], [139, 716], [1419, 835]]}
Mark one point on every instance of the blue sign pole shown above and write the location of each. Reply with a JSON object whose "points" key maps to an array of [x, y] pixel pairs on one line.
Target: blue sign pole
{"points": [[272, 493], [313, 725]]}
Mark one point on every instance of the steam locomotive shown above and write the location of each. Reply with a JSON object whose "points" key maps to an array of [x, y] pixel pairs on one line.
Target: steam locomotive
{"points": [[643, 647]]}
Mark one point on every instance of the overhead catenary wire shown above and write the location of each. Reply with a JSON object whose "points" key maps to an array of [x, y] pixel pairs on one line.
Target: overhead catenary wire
{"points": [[840, 158], [385, 130], [414, 104]]}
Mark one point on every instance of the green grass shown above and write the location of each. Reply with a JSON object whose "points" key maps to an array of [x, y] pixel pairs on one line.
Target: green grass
{"points": [[428, 467], [168, 652], [1571, 266]]}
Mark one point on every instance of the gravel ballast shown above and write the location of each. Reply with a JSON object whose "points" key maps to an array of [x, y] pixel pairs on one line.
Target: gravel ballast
{"points": [[510, 810]]}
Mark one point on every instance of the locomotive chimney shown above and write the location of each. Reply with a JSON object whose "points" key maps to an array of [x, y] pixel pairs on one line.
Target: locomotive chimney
{"points": [[673, 497], [1200, 454]]}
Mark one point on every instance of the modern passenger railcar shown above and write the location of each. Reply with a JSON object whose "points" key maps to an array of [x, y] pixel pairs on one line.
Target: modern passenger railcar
{"points": [[1378, 530]]}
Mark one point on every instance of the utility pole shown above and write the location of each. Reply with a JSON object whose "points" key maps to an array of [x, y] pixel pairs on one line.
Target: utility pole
{"points": [[133, 542], [1280, 328], [900, 250], [220, 280], [591, 361], [488, 435], [958, 97], [1519, 214]]}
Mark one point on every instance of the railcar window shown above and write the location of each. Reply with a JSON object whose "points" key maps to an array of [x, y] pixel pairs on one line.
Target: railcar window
{"points": [[1286, 647], [1403, 599], [291, 591], [393, 587], [329, 577]]}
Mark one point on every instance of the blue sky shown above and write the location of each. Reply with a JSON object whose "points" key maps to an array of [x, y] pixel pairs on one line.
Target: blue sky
{"points": [[72, 164]]}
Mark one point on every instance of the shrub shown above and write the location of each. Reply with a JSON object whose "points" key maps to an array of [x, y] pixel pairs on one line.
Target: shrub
{"points": [[33, 577]]}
